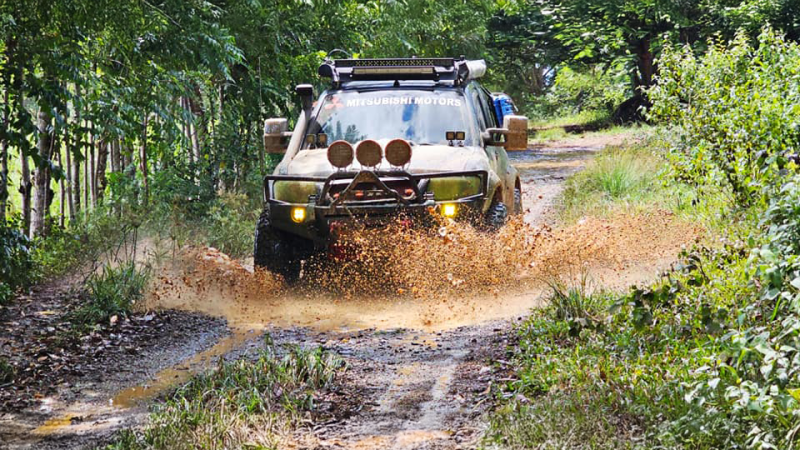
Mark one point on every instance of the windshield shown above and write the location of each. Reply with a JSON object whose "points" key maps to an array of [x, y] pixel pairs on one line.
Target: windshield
{"points": [[422, 117]]}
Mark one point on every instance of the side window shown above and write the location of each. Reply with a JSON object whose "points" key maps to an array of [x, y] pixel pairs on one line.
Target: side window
{"points": [[477, 102], [488, 108]]}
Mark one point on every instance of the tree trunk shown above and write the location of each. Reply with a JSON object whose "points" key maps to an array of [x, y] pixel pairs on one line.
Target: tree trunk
{"points": [[187, 129], [644, 62], [4, 155], [92, 169], [198, 112], [143, 159], [41, 174], [87, 155], [102, 162], [50, 194], [25, 188], [76, 169], [62, 192], [70, 177], [115, 160]]}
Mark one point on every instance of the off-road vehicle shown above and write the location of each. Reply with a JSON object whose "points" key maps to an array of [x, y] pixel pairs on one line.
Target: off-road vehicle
{"points": [[408, 137]]}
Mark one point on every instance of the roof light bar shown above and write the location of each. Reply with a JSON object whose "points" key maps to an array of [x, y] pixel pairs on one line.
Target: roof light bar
{"points": [[436, 69]]}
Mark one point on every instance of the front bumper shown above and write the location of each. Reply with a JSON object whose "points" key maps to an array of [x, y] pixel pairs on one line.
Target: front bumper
{"points": [[325, 213]]}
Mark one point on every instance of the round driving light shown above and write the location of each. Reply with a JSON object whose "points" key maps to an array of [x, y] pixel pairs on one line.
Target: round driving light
{"points": [[369, 153], [398, 152], [298, 215], [340, 154], [449, 210]]}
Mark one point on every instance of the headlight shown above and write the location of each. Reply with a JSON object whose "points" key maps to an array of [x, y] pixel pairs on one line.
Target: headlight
{"points": [[293, 191], [298, 215], [449, 210], [453, 188]]}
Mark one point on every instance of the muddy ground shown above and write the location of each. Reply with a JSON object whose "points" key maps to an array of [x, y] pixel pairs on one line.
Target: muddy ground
{"points": [[422, 360]]}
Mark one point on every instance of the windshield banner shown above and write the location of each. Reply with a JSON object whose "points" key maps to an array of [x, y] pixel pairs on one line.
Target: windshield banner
{"points": [[455, 102]]}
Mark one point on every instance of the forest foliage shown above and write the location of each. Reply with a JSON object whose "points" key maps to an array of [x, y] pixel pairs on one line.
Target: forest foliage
{"points": [[709, 356], [152, 110]]}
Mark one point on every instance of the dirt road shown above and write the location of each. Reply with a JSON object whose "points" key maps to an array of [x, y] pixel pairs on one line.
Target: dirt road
{"points": [[422, 365]]}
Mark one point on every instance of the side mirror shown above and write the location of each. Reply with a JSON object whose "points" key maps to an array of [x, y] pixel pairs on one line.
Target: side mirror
{"points": [[517, 132], [494, 137], [276, 136], [513, 136]]}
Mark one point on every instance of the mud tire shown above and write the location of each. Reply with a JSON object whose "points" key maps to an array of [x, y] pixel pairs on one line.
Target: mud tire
{"points": [[278, 251], [496, 216], [518, 201]]}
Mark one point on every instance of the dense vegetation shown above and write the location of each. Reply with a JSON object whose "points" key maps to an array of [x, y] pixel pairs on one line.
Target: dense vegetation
{"points": [[244, 403], [708, 357], [152, 110]]}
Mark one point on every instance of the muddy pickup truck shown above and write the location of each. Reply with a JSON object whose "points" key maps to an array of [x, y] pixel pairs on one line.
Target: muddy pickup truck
{"points": [[390, 138]]}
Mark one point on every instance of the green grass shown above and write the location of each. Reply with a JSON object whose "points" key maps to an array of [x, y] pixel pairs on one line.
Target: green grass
{"points": [[6, 371], [242, 404], [589, 119], [603, 371], [113, 292], [634, 178], [618, 178]]}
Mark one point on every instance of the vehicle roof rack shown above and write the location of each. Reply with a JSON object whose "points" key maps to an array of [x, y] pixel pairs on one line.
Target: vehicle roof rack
{"points": [[457, 70]]}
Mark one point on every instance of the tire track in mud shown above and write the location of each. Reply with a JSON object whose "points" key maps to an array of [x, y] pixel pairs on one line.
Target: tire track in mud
{"points": [[422, 369]]}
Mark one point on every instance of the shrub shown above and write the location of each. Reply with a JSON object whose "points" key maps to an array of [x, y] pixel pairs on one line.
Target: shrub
{"points": [[230, 225], [17, 268], [113, 292], [588, 95], [735, 109], [104, 234], [708, 357]]}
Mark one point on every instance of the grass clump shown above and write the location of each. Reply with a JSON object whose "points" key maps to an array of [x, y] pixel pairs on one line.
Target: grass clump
{"points": [[113, 292], [620, 177], [7, 372], [241, 404]]}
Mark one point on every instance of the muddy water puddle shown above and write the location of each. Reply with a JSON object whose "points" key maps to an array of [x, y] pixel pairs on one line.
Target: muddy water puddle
{"points": [[537, 165], [180, 373]]}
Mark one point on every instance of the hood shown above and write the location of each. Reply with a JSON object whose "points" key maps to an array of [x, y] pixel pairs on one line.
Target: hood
{"points": [[424, 159]]}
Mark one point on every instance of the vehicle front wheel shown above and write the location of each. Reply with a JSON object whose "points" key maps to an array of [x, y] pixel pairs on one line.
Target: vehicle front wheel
{"points": [[496, 216], [518, 201], [277, 251]]}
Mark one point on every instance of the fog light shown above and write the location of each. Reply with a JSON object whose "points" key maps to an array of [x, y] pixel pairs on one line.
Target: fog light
{"points": [[298, 215], [449, 210]]}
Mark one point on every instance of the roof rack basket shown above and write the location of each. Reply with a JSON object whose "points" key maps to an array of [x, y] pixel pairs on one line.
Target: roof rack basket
{"points": [[457, 70]]}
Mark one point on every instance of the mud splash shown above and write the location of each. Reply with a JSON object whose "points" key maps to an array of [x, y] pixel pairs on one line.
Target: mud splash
{"points": [[436, 281]]}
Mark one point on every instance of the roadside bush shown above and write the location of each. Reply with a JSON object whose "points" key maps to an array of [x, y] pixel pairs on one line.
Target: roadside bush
{"points": [[586, 97], [618, 177], [17, 268], [103, 235], [241, 404], [113, 292], [735, 110], [230, 225], [709, 357]]}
